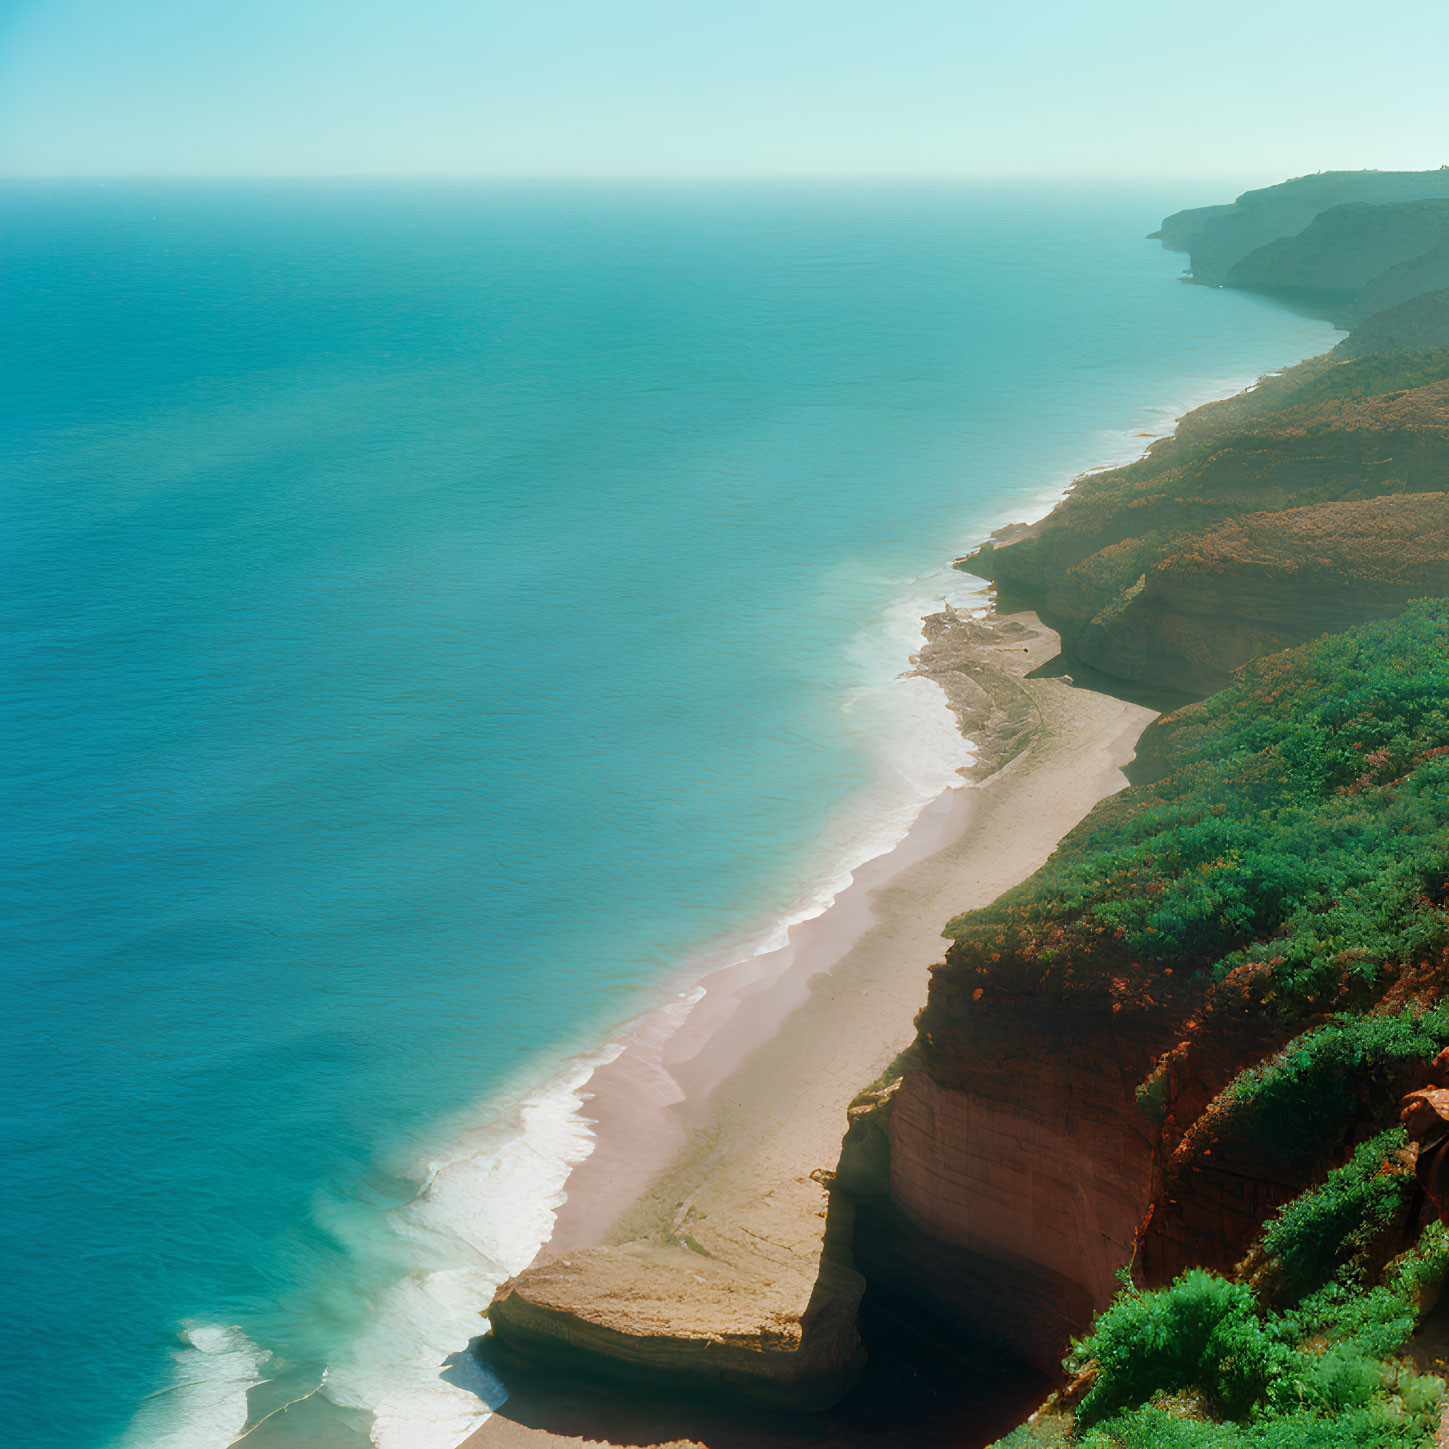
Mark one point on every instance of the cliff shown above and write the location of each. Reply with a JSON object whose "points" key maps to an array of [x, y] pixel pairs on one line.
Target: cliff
{"points": [[1153, 1053], [1344, 249], [1235, 537]]}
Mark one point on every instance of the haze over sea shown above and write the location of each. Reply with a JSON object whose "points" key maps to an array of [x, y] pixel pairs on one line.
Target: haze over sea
{"points": [[439, 617]]}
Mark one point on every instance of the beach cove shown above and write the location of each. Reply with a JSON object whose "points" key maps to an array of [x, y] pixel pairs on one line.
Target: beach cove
{"points": [[726, 1243]]}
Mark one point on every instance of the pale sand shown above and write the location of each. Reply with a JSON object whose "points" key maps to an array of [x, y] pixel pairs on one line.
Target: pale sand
{"points": [[710, 1130]]}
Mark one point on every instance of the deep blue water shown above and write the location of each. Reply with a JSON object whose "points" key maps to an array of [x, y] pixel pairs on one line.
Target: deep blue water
{"points": [[433, 615]]}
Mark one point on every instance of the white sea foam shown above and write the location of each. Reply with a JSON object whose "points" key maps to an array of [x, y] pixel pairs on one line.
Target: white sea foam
{"points": [[481, 1214], [205, 1404]]}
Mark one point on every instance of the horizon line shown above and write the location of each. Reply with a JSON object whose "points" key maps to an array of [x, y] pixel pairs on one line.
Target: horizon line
{"points": [[681, 177]]}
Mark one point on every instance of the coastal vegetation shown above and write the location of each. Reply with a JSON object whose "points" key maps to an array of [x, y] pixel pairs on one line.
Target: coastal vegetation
{"points": [[1311, 502], [1294, 853], [1298, 835]]}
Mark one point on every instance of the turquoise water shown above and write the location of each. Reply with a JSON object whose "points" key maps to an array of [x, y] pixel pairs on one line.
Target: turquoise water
{"points": [[437, 615]]}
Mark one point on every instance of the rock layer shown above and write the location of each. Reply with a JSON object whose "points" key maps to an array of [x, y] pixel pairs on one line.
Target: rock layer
{"points": [[779, 1329]]}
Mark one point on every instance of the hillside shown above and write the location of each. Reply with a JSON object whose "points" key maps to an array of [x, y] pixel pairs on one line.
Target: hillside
{"points": [[1342, 250], [1421, 323], [1229, 539], [1179, 1048], [1217, 238]]}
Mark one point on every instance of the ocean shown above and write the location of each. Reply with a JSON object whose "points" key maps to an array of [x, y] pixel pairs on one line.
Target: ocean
{"points": [[440, 619]]}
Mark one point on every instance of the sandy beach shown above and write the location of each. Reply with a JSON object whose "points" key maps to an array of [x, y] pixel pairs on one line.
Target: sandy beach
{"points": [[700, 1217]]}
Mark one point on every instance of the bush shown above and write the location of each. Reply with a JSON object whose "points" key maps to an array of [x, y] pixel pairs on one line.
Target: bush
{"points": [[1301, 1101], [1376, 1427], [1326, 1234], [1202, 1334], [1198, 1365]]}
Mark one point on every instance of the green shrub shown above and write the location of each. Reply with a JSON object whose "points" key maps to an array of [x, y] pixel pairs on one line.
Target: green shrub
{"points": [[1301, 1101], [1323, 1235], [1202, 1333], [1379, 1321], [1375, 1427], [1198, 1364], [1302, 829]]}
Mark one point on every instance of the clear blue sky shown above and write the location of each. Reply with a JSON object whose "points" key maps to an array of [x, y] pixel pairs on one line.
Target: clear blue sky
{"points": [[678, 87]]}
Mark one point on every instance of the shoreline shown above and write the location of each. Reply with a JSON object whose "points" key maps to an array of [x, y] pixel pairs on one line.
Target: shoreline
{"points": [[636, 1083], [635, 1073], [629, 1116], [707, 1130]]}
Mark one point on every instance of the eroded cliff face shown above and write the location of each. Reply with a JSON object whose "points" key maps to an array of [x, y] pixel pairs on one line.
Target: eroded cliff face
{"points": [[1131, 1062], [1267, 581], [1267, 521], [1019, 1169]]}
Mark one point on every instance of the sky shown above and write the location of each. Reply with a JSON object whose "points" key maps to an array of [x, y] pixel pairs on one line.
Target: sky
{"points": [[1061, 88]]}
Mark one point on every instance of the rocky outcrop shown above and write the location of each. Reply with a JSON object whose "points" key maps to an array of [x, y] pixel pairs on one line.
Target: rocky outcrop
{"points": [[731, 1273], [677, 1318]]}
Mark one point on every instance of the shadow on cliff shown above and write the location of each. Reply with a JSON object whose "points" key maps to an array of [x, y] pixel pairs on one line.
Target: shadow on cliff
{"points": [[1083, 676], [923, 1387], [1077, 672]]}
